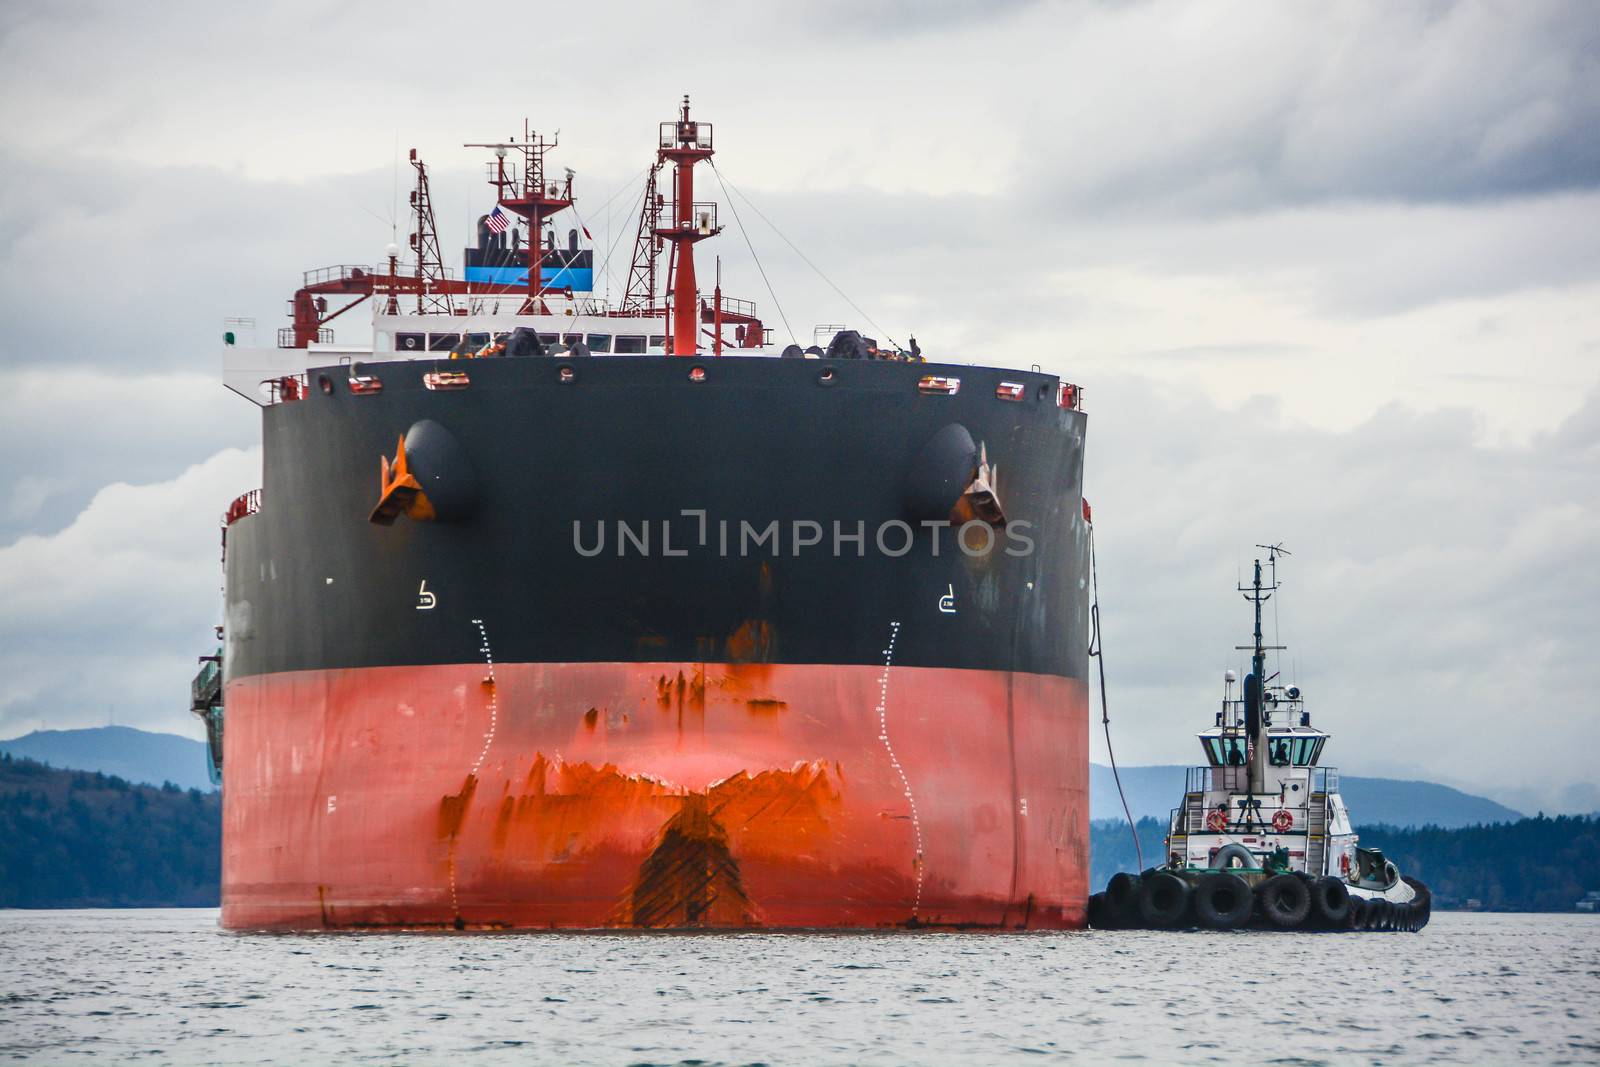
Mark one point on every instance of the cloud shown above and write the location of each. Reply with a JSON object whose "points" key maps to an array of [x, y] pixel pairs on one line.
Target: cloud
{"points": [[1326, 273], [1232, 107], [110, 612], [70, 431], [1438, 605]]}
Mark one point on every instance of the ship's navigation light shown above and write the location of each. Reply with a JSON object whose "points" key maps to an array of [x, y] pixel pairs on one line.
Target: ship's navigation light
{"points": [[500, 153]]}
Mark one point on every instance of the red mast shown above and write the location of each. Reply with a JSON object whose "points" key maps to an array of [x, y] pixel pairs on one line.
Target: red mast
{"points": [[534, 199], [685, 143]]}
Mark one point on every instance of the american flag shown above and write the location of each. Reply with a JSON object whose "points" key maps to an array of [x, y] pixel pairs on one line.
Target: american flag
{"points": [[498, 223]]}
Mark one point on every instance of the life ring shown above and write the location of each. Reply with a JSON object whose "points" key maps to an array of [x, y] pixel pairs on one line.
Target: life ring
{"points": [[1282, 821], [1217, 820]]}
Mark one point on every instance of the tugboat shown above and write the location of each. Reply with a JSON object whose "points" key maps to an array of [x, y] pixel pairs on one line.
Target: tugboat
{"points": [[1262, 837]]}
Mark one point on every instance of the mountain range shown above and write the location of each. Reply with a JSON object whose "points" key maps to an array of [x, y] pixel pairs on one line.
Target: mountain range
{"points": [[134, 755], [1154, 791], [156, 758]]}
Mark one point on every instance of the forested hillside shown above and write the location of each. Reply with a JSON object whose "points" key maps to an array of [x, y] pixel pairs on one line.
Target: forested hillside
{"points": [[77, 839]]}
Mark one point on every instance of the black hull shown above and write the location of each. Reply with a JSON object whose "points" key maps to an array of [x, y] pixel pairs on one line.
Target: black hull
{"points": [[313, 585]]}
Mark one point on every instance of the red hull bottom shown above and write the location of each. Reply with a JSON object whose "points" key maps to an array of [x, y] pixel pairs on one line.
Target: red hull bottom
{"points": [[637, 795]]}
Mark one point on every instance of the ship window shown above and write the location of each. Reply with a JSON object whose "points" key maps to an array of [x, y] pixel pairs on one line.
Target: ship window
{"points": [[477, 340], [1278, 751], [658, 342], [1226, 751], [599, 342], [443, 342], [409, 342], [629, 346], [570, 339], [549, 338]]}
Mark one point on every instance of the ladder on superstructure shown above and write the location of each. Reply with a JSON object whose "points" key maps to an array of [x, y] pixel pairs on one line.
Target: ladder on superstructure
{"points": [[1317, 834]]}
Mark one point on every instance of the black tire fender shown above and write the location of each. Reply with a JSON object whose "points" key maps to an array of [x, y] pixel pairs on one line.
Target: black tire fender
{"points": [[1330, 903], [1222, 901], [1122, 898], [1228, 852], [1285, 901], [1163, 899]]}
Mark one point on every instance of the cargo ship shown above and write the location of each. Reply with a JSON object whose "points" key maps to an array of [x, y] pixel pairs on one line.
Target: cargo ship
{"points": [[554, 612]]}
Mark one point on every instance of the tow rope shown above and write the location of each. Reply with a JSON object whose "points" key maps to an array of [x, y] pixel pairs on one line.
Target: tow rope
{"points": [[1095, 650]]}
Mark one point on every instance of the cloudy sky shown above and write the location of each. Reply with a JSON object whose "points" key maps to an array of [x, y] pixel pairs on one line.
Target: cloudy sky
{"points": [[1329, 274]]}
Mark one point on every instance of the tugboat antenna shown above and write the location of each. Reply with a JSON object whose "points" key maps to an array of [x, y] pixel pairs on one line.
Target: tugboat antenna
{"points": [[1254, 684]]}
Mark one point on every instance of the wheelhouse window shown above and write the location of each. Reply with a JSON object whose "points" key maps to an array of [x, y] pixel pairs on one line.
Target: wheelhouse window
{"points": [[1306, 750], [1226, 751], [629, 346]]}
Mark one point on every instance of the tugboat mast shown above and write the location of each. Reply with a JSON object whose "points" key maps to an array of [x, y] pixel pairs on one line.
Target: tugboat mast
{"points": [[1255, 724]]}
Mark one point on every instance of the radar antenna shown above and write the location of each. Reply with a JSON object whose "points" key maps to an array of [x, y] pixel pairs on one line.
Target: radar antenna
{"points": [[1254, 713]]}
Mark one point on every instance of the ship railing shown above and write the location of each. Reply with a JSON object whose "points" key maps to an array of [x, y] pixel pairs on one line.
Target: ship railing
{"points": [[1231, 778], [337, 273], [285, 388], [1324, 779], [243, 504], [702, 220], [206, 689], [486, 299], [730, 306], [286, 337]]}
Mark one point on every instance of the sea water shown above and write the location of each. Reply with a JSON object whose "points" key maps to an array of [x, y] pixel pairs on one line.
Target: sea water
{"points": [[170, 987]]}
